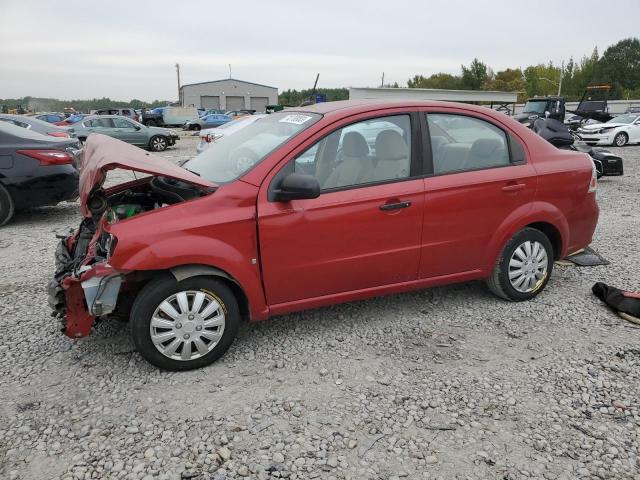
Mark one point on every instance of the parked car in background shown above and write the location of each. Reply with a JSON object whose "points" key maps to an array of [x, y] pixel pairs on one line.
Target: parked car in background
{"points": [[36, 169], [209, 121], [239, 113], [618, 131], [125, 112], [50, 117], [75, 118], [211, 111], [273, 220], [209, 136], [127, 130], [40, 126]]}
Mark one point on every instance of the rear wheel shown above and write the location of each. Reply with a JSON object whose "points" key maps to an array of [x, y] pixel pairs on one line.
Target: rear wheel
{"points": [[523, 267], [184, 325], [195, 127], [7, 208], [621, 139], [158, 143]]}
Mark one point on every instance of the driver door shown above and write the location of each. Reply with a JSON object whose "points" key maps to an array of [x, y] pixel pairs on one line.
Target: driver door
{"points": [[128, 131], [363, 231]]}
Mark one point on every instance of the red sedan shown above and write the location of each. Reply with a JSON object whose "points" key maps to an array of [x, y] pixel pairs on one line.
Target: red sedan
{"points": [[314, 206]]}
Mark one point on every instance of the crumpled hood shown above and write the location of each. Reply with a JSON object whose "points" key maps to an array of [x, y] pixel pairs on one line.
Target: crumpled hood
{"points": [[600, 126], [103, 153]]}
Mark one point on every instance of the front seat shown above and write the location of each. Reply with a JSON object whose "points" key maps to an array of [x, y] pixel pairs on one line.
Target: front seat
{"points": [[392, 156], [355, 164]]}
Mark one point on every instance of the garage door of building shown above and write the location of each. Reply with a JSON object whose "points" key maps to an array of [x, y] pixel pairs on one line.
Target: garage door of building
{"points": [[259, 104], [235, 103], [209, 101]]}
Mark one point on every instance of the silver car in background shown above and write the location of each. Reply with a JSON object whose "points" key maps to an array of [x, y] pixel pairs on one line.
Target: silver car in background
{"points": [[39, 126], [210, 135]]}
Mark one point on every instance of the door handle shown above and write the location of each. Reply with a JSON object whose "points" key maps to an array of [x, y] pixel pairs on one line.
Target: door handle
{"points": [[514, 187], [395, 206]]}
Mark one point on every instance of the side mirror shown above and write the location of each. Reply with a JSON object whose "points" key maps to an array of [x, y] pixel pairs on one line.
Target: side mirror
{"points": [[137, 127], [297, 186]]}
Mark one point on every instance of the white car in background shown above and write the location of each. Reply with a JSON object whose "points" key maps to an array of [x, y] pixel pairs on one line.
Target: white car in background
{"points": [[618, 131], [210, 135]]}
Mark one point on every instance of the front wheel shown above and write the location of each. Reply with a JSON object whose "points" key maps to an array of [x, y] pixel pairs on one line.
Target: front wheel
{"points": [[184, 325], [524, 266], [621, 139], [158, 143]]}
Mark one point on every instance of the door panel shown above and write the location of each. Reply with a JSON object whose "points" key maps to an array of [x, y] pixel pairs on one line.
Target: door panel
{"points": [[464, 210], [341, 241]]}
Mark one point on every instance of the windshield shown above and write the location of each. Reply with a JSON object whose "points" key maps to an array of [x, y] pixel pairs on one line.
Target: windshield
{"points": [[233, 155], [535, 107], [628, 118]]}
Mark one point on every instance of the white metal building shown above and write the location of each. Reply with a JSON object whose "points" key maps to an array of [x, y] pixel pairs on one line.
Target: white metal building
{"points": [[465, 96], [228, 94]]}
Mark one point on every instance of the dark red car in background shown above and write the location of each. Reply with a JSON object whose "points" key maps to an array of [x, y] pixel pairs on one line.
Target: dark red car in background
{"points": [[314, 206]]}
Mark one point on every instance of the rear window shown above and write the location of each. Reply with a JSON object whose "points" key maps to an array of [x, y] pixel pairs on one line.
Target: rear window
{"points": [[15, 131]]}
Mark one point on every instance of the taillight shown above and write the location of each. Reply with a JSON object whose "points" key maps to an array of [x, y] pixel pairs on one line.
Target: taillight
{"points": [[59, 134], [593, 183], [49, 157]]}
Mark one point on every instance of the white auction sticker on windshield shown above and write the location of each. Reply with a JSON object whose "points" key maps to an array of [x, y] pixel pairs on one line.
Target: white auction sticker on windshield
{"points": [[296, 119]]}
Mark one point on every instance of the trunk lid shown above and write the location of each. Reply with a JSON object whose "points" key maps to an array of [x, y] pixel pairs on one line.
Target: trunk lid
{"points": [[103, 153]]}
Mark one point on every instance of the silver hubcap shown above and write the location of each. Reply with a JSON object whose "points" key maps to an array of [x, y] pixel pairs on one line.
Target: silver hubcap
{"points": [[158, 143], [187, 325], [620, 140], [528, 267]]}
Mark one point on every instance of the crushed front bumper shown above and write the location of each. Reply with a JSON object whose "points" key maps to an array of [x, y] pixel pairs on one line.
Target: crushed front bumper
{"points": [[78, 299]]}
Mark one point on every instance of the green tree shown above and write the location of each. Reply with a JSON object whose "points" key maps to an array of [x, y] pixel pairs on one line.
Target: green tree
{"points": [[438, 80], [475, 76], [620, 65]]}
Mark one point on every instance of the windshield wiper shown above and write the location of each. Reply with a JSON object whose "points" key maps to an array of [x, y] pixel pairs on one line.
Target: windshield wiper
{"points": [[191, 171]]}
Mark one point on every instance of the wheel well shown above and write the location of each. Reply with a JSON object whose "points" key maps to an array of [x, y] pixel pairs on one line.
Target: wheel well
{"points": [[552, 234], [141, 278]]}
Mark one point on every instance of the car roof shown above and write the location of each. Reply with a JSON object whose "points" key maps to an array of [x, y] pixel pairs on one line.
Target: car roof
{"points": [[346, 108]]}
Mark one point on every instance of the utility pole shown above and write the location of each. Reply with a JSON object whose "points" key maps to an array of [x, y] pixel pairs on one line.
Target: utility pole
{"points": [[229, 71], [561, 75], [382, 84], [178, 72]]}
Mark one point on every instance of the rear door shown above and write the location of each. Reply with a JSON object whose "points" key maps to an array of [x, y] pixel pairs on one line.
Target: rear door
{"points": [[480, 177], [363, 230]]}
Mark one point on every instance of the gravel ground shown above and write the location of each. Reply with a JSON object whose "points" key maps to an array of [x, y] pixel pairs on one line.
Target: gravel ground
{"points": [[443, 383]]}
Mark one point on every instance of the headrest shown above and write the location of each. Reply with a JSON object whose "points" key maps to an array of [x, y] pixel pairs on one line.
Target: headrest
{"points": [[391, 146], [354, 145], [484, 147]]}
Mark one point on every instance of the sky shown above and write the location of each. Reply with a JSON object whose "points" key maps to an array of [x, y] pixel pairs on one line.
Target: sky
{"points": [[72, 49]]}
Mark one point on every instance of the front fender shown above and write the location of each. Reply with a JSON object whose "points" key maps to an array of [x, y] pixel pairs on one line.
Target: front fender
{"points": [[536, 212], [173, 252]]}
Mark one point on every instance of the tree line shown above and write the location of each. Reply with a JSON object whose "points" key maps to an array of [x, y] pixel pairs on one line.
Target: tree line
{"points": [[618, 66]]}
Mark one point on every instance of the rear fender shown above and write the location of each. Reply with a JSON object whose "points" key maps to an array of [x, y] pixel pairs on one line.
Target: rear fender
{"points": [[536, 212]]}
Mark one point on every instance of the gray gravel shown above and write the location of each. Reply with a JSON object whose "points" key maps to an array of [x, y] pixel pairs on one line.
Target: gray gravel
{"points": [[444, 383]]}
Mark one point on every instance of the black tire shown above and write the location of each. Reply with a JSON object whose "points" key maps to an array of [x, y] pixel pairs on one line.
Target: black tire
{"points": [[158, 143], [621, 139], [82, 139], [150, 123], [195, 127], [155, 292], [499, 282], [7, 208]]}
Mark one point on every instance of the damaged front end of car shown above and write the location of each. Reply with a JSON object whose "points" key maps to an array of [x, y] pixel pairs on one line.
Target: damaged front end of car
{"points": [[85, 285]]}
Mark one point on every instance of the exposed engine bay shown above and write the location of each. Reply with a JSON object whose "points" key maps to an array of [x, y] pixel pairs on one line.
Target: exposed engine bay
{"points": [[84, 282], [152, 193]]}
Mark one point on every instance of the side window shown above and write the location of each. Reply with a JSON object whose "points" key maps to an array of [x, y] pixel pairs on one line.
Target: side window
{"points": [[100, 123], [461, 143], [370, 151], [122, 123]]}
